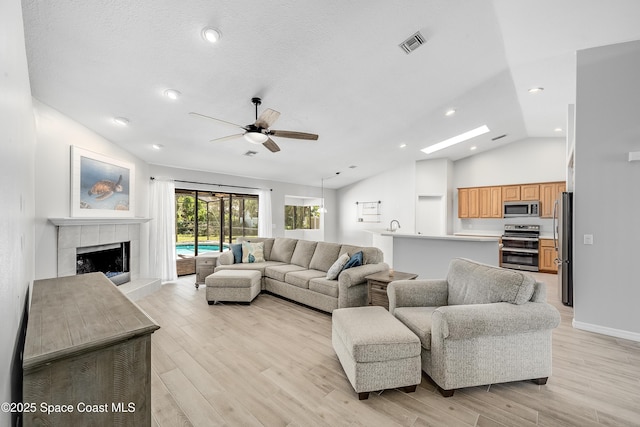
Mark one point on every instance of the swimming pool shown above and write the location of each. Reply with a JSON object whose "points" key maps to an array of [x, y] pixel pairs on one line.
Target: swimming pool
{"points": [[188, 249]]}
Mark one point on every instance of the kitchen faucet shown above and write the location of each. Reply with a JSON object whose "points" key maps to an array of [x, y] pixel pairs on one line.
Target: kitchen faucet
{"points": [[391, 225]]}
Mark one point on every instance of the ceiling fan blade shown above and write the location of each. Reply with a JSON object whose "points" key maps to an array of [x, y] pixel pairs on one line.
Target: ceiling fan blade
{"points": [[226, 138], [267, 118], [217, 120], [271, 146], [294, 135]]}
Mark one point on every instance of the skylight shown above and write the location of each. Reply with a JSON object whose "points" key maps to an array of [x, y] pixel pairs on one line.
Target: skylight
{"points": [[456, 139]]}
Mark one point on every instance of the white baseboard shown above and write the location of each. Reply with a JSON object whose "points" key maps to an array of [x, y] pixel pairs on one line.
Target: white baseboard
{"points": [[618, 333]]}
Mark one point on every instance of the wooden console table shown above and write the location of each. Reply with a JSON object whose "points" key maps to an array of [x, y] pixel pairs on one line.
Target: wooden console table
{"points": [[377, 284], [88, 351]]}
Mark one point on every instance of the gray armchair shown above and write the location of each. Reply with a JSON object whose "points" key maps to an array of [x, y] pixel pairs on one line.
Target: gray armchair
{"points": [[482, 325]]}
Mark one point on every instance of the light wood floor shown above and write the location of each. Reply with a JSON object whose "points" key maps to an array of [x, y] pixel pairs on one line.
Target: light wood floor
{"points": [[272, 364]]}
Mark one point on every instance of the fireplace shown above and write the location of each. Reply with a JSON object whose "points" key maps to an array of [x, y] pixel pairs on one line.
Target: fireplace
{"points": [[110, 259]]}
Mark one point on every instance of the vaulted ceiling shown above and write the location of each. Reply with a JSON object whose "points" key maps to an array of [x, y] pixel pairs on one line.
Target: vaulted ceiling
{"points": [[333, 68]]}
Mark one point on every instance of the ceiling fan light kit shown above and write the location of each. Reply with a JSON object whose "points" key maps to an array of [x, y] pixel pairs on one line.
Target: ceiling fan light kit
{"points": [[255, 137]]}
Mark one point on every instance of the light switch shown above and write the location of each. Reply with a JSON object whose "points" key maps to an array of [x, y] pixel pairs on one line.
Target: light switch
{"points": [[588, 239]]}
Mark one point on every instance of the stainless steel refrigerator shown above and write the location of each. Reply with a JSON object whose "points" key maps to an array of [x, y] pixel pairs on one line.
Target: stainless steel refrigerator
{"points": [[563, 242]]}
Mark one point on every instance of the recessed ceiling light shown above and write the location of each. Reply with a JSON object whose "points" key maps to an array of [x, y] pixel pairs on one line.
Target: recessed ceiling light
{"points": [[122, 121], [557, 130], [403, 145], [158, 146], [353, 167], [473, 148], [456, 139], [536, 89], [211, 34], [450, 112], [172, 94]]}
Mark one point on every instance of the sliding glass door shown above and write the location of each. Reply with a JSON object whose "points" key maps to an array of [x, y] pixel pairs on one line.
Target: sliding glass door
{"points": [[210, 222]]}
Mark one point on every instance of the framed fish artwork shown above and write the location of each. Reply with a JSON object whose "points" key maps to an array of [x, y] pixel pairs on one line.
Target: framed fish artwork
{"points": [[101, 186]]}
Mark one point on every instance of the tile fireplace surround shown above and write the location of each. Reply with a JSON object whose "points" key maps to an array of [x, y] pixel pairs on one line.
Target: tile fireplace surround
{"points": [[76, 233], [71, 237]]}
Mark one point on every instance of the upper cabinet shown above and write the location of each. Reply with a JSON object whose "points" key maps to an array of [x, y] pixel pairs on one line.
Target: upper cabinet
{"points": [[549, 193], [486, 202]]}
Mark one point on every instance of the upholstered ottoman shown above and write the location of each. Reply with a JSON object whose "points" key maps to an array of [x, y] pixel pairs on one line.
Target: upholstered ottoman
{"points": [[233, 285], [376, 350]]}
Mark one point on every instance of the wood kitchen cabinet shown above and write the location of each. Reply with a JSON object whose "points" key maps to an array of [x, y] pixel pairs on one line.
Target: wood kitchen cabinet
{"points": [[511, 193], [490, 202], [468, 203], [530, 192], [547, 257], [549, 193]]}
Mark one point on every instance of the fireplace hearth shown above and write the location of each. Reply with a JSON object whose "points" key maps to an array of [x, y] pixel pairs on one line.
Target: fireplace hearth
{"points": [[110, 259]]}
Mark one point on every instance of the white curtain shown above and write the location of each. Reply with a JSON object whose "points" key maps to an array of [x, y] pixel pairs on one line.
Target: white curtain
{"points": [[265, 221], [162, 230]]}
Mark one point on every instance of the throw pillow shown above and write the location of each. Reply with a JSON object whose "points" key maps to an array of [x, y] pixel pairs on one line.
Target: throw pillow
{"points": [[354, 261], [236, 249], [252, 252], [337, 266]]}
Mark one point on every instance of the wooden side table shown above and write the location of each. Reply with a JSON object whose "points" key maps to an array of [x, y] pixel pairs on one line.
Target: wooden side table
{"points": [[377, 284]]}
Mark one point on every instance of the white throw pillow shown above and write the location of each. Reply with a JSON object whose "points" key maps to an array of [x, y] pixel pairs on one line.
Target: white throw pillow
{"points": [[336, 268]]}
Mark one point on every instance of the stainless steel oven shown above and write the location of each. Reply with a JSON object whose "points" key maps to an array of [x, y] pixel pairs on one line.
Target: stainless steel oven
{"points": [[520, 246]]}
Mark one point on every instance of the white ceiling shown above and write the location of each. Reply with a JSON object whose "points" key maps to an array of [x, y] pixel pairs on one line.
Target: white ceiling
{"points": [[333, 68]]}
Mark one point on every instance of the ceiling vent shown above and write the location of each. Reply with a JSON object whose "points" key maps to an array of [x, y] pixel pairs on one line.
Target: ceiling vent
{"points": [[250, 153], [498, 137], [413, 42]]}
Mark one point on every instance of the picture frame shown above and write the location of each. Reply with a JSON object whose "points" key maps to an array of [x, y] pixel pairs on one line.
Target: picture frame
{"points": [[101, 186]]}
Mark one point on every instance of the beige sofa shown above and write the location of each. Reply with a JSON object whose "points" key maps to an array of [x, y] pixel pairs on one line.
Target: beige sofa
{"points": [[482, 325], [297, 270]]}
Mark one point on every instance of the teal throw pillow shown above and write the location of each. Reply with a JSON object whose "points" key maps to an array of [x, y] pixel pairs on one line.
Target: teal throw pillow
{"points": [[236, 249], [354, 261]]}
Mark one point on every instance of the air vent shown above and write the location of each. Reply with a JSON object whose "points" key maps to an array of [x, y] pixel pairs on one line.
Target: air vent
{"points": [[498, 137], [250, 153], [413, 42]]}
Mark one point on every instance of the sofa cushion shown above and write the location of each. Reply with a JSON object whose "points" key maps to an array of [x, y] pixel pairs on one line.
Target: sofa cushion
{"points": [[324, 256], [301, 278], [278, 272], [258, 266], [470, 282], [252, 252], [337, 267], [303, 252], [418, 320], [282, 249], [324, 286]]}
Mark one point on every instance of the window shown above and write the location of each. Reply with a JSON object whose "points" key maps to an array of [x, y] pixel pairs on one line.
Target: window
{"points": [[301, 217]]}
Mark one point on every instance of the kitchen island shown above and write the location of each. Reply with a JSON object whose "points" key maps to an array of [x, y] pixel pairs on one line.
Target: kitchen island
{"points": [[429, 256]]}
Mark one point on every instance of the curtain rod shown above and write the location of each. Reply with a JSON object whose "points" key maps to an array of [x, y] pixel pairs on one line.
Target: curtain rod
{"points": [[219, 185]]}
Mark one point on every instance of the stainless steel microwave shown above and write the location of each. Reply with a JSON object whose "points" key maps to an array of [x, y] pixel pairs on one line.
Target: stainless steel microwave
{"points": [[524, 208]]}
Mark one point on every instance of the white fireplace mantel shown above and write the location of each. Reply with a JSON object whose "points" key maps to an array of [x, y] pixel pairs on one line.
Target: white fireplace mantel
{"points": [[68, 221]]}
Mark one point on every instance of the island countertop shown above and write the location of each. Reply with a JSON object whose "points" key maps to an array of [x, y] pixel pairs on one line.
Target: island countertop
{"points": [[443, 237]]}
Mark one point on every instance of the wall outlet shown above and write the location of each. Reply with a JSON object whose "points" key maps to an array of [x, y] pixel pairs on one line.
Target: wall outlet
{"points": [[588, 239]]}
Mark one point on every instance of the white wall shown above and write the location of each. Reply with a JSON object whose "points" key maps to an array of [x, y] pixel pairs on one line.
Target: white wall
{"points": [[395, 188], [56, 133], [17, 148], [280, 190], [606, 196]]}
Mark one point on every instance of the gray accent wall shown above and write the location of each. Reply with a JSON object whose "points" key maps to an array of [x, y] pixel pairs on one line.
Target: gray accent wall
{"points": [[607, 191]]}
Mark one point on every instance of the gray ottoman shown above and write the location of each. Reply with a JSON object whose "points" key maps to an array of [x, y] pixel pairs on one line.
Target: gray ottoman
{"points": [[233, 285], [376, 350]]}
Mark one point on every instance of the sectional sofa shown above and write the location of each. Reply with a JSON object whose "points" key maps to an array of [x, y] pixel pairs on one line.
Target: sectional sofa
{"points": [[297, 270]]}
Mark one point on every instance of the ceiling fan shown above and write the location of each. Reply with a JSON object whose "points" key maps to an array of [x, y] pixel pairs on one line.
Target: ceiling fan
{"points": [[259, 132]]}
